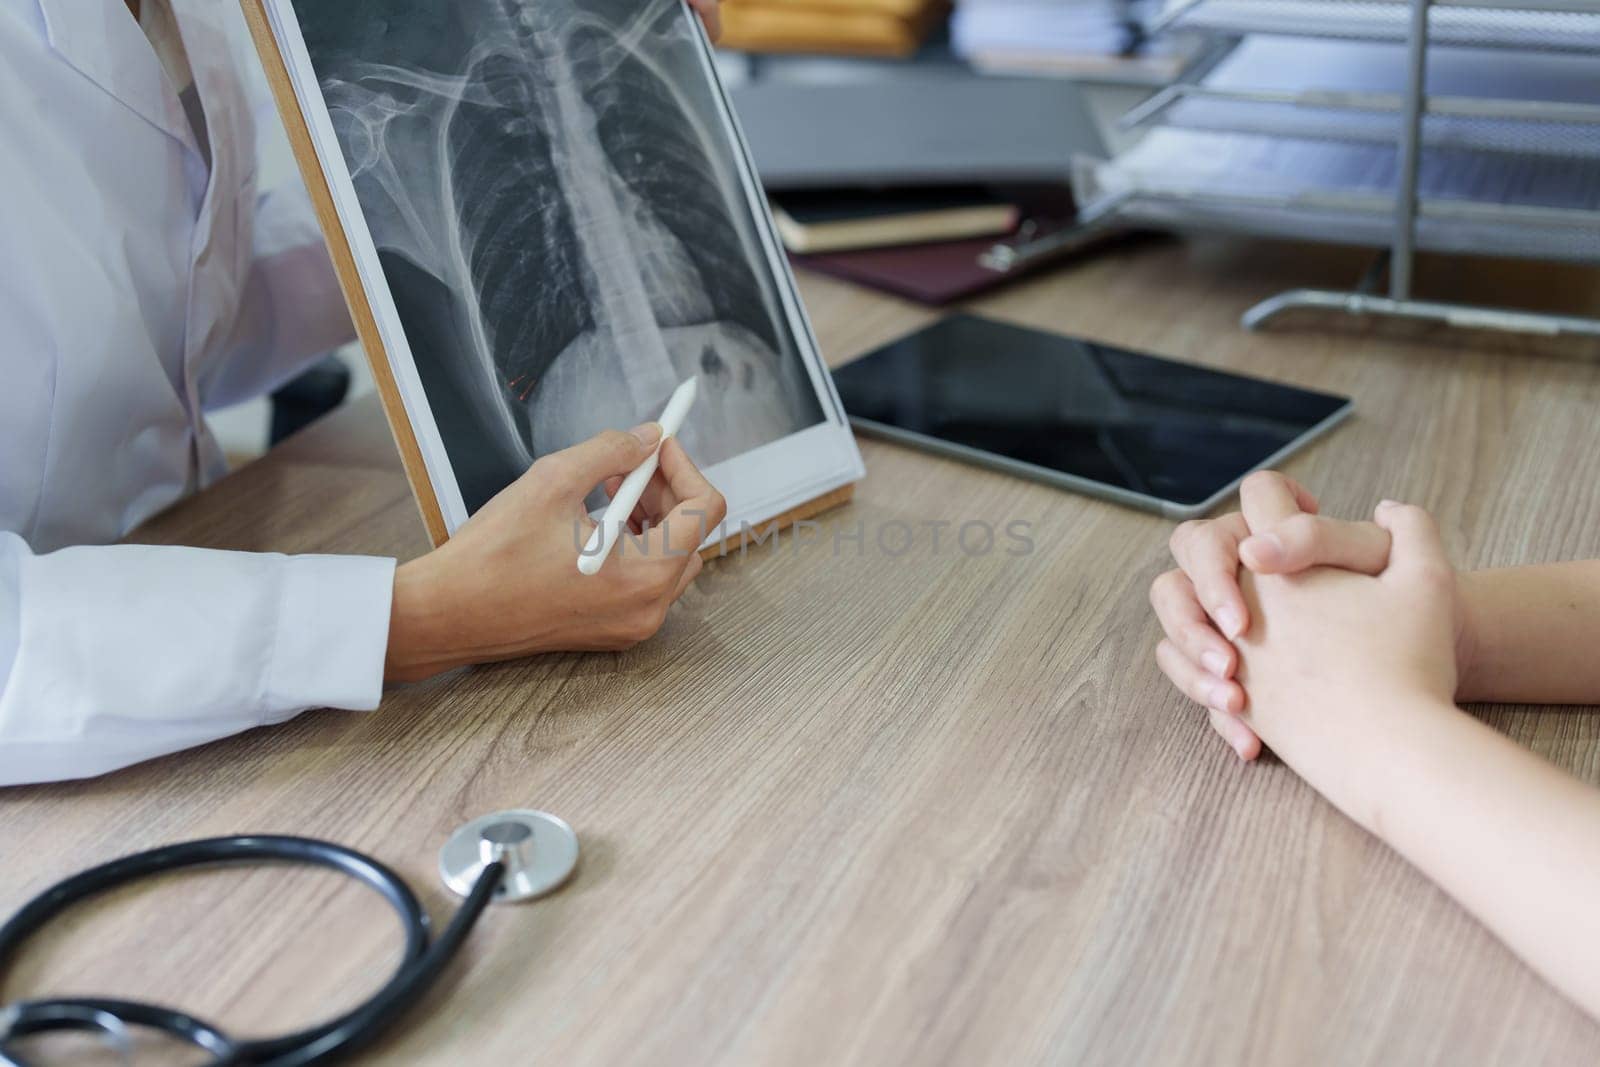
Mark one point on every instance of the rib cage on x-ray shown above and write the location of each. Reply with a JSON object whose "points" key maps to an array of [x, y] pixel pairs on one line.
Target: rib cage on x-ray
{"points": [[561, 220]]}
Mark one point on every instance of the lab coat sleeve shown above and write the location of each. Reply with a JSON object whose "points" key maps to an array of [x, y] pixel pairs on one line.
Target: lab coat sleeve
{"points": [[291, 311], [110, 655]]}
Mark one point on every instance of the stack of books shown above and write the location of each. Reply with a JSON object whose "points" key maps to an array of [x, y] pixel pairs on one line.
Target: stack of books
{"points": [[841, 220], [929, 243], [890, 28]]}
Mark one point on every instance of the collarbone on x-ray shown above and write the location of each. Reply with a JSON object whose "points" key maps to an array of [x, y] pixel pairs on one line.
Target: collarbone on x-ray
{"points": [[557, 200]]}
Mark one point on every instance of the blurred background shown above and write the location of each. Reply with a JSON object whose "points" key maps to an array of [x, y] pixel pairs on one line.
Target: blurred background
{"points": [[936, 150], [801, 74]]}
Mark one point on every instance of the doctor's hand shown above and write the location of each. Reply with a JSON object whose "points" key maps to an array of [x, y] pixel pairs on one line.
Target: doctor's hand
{"points": [[1200, 604], [711, 14], [507, 584]]}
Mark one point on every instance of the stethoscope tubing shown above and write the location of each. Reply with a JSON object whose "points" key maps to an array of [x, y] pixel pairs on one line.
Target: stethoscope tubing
{"points": [[420, 963]]}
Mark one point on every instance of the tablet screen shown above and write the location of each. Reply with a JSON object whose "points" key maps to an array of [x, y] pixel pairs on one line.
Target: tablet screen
{"points": [[1158, 428]]}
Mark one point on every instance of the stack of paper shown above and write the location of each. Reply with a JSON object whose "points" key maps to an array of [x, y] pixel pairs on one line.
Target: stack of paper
{"points": [[1538, 103], [1300, 137], [894, 28], [1538, 206], [1072, 38], [1192, 163], [1466, 24]]}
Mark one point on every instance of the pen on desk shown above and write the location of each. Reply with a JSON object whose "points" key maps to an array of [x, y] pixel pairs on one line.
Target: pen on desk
{"points": [[1032, 247], [609, 532]]}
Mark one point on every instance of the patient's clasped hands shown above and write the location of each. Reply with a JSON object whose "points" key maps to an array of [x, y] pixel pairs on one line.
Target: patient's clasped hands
{"points": [[1343, 646], [1295, 629]]}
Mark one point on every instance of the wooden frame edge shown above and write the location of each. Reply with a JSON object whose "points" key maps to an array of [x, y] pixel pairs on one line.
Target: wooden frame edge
{"points": [[344, 264]]}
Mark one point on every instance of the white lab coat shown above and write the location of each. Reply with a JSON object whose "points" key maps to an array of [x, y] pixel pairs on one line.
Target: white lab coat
{"points": [[137, 289]]}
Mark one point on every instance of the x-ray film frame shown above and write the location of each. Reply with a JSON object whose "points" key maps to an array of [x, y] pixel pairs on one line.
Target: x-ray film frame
{"points": [[428, 469]]}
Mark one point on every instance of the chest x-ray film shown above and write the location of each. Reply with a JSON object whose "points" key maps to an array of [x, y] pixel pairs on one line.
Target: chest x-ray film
{"points": [[555, 222]]}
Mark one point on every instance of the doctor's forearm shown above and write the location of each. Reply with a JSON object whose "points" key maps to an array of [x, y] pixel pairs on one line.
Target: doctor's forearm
{"points": [[454, 608], [422, 632], [451, 608]]}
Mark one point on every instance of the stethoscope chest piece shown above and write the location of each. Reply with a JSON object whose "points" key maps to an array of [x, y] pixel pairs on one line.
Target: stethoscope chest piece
{"points": [[539, 852]]}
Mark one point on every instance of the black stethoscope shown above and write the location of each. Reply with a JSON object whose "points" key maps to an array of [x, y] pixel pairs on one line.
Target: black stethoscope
{"points": [[508, 856]]}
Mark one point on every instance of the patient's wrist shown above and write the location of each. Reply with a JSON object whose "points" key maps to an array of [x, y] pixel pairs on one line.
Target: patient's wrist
{"points": [[1474, 637], [1372, 773]]}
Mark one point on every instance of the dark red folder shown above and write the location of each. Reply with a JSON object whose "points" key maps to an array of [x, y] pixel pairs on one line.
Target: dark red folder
{"points": [[929, 274]]}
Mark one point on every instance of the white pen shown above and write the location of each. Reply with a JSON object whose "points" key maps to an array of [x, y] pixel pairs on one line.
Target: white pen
{"points": [[609, 532]]}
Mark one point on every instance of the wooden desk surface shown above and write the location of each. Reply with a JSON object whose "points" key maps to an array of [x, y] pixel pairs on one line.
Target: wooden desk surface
{"points": [[932, 809]]}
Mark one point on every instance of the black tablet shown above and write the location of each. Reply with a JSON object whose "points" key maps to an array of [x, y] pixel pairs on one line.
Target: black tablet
{"points": [[1136, 429]]}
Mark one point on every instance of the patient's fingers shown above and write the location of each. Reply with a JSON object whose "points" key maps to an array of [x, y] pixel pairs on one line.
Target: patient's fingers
{"points": [[1233, 731], [1177, 606], [1303, 541], [1236, 734], [1268, 498], [1196, 684], [1208, 552], [1418, 549]]}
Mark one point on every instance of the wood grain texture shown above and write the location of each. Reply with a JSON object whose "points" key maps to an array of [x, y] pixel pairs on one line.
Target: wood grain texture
{"points": [[858, 808]]}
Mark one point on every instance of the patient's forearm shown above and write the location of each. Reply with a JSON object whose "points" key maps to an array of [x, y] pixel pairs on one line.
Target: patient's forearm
{"points": [[1536, 634], [1511, 837]]}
